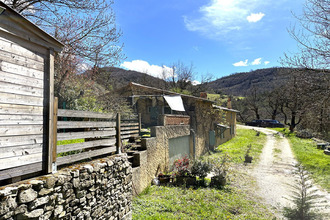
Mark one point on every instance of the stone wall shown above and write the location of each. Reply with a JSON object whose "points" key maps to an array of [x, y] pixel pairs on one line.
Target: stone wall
{"points": [[155, 158], [100, 189]]}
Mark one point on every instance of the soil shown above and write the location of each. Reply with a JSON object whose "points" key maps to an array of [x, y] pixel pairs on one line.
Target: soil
{"points": [[274, 174]]}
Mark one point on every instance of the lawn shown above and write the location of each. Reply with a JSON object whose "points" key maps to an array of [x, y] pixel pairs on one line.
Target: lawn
{"points": [[313, 159], [235, 201], [237, 147]]}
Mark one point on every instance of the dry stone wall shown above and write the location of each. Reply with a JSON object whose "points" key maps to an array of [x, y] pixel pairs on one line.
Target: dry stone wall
{"points": [[101, 189]]}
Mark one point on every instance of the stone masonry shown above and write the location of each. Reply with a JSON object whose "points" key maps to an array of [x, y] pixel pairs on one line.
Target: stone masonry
{"points": [[100, 189]]}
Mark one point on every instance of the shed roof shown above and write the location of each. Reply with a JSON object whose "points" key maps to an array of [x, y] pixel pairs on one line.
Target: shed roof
{"points": [[11, 15], [133, 85]]}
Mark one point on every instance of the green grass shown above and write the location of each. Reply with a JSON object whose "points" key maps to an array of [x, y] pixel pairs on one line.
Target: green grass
{"points": [[312, 159], [65, 142], [236, 148], [202, 203], [235, 201]]}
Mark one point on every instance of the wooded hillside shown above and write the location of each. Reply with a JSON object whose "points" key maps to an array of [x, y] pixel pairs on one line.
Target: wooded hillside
{"points": [[239, 83]]}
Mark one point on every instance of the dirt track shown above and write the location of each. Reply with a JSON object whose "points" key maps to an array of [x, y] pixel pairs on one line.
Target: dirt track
{"points": [[275, 172]]}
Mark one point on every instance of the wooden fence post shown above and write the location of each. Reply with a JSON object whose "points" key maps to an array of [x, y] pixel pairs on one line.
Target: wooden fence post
{"points": [[118, 136], [54, 153], [140, 123]]}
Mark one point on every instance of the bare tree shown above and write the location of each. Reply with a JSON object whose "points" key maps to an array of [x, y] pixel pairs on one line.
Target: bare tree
{"points": [[181, 76], [86, 27], [312, 34]]}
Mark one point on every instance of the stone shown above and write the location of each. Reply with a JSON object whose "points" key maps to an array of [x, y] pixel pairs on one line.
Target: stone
{"points": [[38, 202], [26, 196], [58, 210], [50, 181], [37, 184], [21, 209], [76, 182], [61, 179], [46, 216], [89, 168], [24, 186], [45, 191], [8, 191], [75, 173], [62, 214], [3, 208], [34, 214]]}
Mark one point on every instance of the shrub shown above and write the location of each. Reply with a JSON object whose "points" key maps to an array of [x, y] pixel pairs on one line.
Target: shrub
{"points": [[182, 166], [201, 168]]}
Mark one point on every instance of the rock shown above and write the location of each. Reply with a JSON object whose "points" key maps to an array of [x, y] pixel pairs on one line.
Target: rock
{"points": [[75, 173], [3, 208], [58, 210], [21, 209], [89, 168], [50, 182], [34, 214], [8, 191], [38, 202], [26, 196], [36, 184], [45, 191]]}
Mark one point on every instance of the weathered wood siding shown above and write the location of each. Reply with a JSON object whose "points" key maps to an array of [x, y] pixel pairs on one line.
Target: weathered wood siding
{"points": [[22, 104]]}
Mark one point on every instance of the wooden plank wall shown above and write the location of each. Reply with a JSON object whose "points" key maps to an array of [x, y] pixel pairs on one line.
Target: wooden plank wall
{"points": [[21, 108], [95, 131]]}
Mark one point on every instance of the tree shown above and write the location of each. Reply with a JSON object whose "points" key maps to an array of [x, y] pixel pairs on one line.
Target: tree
{"points": [[313, 37], [86, 27], [181, 77]]}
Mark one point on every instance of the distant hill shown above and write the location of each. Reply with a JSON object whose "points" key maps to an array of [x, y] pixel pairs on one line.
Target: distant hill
{"points": [[239, 83], [117, 78]]}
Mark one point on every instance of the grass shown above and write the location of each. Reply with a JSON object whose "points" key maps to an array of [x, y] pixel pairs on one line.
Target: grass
{"points": [[235, 201], [201, 203], [311, 158], [236, 148], [65, 142]]}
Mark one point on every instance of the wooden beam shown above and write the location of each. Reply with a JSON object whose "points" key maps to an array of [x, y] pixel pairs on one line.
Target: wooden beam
{"points": [[84, 155], [84, 114], [49, 74], [85, 124], [84, 134], [54, 150], [118, 137], [84, 145]]}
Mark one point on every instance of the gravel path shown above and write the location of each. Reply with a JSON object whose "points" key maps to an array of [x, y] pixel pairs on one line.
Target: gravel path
{"points": [[275, 172]]}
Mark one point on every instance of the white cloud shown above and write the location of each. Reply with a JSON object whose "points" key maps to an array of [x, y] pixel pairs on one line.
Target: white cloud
{"points": [[255, 17], [241, 63], [145, 67], [220, 17], [256, 62], [195, 82]]}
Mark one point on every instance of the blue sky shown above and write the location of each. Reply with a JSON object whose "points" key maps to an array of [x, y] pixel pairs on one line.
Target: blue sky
{"points": [[218, 37]]}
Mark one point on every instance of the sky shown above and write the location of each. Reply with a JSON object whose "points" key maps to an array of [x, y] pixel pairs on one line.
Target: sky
{"points": [[218, 37]]}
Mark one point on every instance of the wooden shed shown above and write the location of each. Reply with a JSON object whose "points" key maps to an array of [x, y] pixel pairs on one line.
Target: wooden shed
{"points": [[26, 95]]}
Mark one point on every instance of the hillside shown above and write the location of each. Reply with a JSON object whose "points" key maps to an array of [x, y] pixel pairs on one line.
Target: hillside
{"points": [[116, 78], [237, 84]]}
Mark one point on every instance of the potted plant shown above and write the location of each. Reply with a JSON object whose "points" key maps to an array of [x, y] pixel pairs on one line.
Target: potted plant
{"points": [[183, 174], [220, 169], [201, 169], [165, 178]]}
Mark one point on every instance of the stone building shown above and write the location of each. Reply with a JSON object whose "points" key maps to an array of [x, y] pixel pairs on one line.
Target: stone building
{"points": [[210, 125]]}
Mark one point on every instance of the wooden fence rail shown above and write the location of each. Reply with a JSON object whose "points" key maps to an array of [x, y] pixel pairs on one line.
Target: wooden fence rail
{"points": [[73, 136], [93, 134]]}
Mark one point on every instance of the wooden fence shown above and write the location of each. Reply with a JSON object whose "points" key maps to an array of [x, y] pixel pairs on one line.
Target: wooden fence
{"points": [[94, 134], [77, 135]]}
